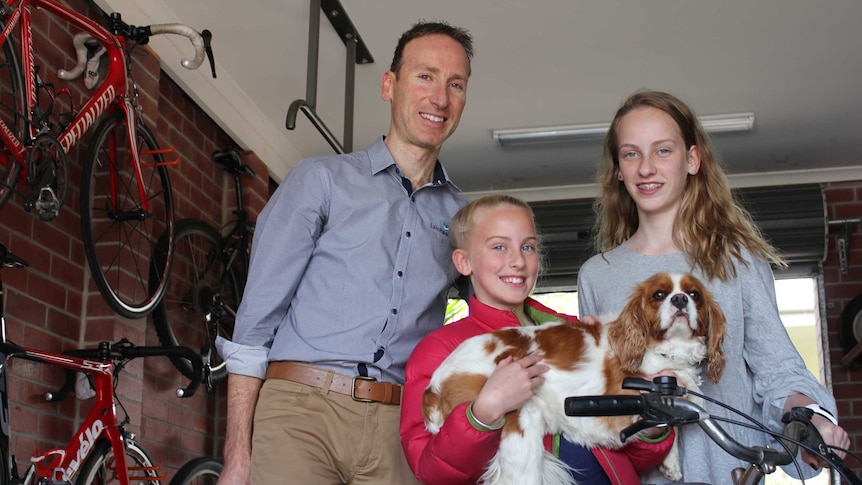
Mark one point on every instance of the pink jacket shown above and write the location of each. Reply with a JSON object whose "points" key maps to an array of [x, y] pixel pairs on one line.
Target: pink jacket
{"points": [[460, 452]]}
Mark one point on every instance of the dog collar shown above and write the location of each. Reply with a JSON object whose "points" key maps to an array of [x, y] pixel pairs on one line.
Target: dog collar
{"points": [[818, 409]]}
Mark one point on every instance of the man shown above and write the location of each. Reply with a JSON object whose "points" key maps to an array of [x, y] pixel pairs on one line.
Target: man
{"points": [[349, 271]]}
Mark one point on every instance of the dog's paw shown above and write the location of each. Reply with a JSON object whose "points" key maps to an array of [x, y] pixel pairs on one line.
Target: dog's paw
{"points": [[672, 471]]}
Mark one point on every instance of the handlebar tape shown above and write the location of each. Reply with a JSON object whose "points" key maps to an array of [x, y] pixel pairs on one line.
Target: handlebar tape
{"points": [[604, 405]]}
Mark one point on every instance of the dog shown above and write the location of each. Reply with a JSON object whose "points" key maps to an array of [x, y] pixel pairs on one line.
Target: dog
{"points": [[670, 322]]}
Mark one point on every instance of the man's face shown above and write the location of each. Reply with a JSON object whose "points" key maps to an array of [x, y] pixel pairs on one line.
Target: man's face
{"points": [[429, 92]]}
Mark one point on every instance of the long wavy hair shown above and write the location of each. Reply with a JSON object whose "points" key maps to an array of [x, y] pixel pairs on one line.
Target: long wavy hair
{"points": [[712, 227]]}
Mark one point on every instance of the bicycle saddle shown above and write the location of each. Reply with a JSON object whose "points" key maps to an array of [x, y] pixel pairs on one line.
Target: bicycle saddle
{"points": [[231, 162]]}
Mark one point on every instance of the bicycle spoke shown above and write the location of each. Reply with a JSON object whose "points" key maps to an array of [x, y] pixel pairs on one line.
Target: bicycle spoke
{"points": [[119, 234], [202, 296]]}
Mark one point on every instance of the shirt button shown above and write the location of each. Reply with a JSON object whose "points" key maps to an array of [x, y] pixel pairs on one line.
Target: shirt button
{"points": [[395, 311], [407, 234], [400, 274]]}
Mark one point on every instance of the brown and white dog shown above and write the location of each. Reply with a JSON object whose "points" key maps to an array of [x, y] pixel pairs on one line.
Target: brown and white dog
{"points": [[670, 323]]}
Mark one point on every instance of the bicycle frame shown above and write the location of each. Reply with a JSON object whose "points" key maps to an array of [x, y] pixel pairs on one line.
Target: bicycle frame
{"points": [[59, 464], [110, 95]]}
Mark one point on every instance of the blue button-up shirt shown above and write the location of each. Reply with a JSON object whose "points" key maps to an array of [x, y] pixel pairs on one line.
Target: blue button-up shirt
{"points": [[348, 269]]}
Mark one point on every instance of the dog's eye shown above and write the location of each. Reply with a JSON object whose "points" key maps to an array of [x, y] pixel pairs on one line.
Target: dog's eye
{"points": [[659, 295], [695, 295]]}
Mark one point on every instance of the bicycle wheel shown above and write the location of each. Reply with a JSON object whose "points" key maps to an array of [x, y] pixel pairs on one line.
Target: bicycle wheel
{"points": [[101, 467], [119, 232], [199, 471], [12, 100], [201, 284]]}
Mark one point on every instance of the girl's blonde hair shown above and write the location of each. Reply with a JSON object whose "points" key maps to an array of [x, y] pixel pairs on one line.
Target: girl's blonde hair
{"points": [[461, 225], [711, 227]]}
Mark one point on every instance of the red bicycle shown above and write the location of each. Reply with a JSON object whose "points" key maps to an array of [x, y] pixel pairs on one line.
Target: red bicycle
{"points": [[126, 201], [101, 451]]}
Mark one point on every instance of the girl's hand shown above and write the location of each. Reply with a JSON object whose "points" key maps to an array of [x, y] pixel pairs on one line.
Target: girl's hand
{"points": [[508, 387], [832, 435]]}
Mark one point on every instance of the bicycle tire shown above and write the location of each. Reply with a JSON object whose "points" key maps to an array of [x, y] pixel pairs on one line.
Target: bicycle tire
{"points": [[204, 470], [4, 467], [120, 238], [200, 282], [12, 112], [100, 466]]}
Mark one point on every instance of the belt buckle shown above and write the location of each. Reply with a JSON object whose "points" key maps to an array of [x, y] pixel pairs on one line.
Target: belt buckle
{"points": [[353, 388]]}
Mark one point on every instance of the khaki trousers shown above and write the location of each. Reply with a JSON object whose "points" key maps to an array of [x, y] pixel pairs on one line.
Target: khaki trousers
{"points": [[306, 436]]}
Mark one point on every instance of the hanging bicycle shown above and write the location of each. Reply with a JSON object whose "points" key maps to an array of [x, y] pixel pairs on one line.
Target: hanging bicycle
{"points": [[126, 201]]}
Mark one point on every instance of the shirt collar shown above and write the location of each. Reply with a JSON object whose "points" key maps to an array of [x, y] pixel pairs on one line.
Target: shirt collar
{"points": [[491, 318], [381, 159]]}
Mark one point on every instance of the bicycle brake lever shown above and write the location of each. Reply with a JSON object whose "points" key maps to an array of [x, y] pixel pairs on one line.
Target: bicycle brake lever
{"points": [[636, 428], [813, 441], [664, 385], [207, 36], [206, 354], [638, 384], [658, 413]]}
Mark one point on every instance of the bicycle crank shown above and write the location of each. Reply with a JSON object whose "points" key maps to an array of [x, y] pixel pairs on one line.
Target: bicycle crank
{"points": [[47, 176]]}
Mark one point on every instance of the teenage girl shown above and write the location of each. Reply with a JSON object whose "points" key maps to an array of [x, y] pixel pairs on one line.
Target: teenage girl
{"points": [[665, 204]]}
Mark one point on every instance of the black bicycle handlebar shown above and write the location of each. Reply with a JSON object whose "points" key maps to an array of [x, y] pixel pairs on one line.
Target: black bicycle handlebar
{"points": [[662, 405], [605, 405], [124, 350]]}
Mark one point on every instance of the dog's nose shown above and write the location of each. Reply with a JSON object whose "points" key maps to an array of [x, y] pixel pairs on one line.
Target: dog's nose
{"points": [[679, 300]]}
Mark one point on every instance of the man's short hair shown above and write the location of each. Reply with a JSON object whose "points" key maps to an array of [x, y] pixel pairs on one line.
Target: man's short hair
{"points": [[421, 29]]}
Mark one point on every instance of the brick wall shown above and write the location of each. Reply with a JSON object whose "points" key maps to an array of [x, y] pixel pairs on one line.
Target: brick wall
{"points": [[54, 306], [844, 201]]}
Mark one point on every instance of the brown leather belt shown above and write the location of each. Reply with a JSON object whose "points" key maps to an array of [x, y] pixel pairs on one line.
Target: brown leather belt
{"points": [[360, 388]]}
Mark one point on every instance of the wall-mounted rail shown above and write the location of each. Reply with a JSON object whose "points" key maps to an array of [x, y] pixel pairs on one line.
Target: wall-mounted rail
{"points": [[357, 53]]}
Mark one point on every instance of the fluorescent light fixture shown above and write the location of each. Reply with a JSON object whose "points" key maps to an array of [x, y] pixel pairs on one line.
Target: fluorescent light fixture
{"points": [[593, 131]]}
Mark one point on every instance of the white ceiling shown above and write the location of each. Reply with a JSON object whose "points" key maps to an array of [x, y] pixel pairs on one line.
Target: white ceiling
{"points": [[795, 63]]}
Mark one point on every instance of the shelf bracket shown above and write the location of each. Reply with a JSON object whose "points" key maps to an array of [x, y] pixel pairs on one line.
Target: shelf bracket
{"points": [[844, 242]]}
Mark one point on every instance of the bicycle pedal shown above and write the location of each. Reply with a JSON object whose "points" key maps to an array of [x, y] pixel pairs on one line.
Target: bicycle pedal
{"points": [[47, 205], [48, 215]]}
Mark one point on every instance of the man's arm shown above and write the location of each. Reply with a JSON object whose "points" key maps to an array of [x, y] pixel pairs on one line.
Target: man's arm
{"points": [[242, 392]]}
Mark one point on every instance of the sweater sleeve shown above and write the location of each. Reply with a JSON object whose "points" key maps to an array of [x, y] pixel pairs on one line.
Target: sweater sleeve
{"points": [[776, 366], [459, 452]]}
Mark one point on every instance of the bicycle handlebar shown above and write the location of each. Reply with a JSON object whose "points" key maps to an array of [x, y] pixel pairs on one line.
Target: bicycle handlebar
{"points": [[663, 405], [675, 411], [200, 41], [124, 350], [186, 31]]}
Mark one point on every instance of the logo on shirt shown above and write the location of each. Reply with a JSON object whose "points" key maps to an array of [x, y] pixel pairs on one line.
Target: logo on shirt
{"points": [[442, 227]]}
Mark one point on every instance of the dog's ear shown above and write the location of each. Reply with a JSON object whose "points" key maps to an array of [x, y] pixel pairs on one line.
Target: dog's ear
{"points": [[716, 329], [628, 334]]}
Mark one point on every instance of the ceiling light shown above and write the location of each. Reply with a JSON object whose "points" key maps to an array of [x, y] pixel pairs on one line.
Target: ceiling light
{"points": [[593, 131]]}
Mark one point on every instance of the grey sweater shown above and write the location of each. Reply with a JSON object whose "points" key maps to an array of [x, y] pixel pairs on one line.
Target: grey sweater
{"points": [[763, 367]]}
